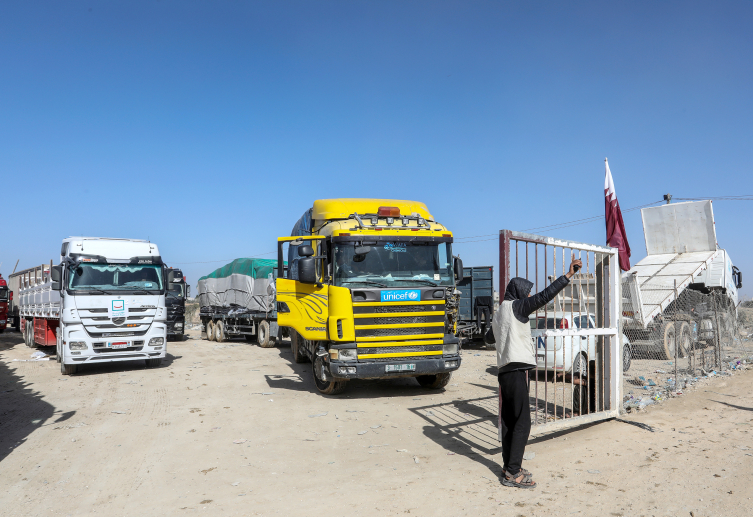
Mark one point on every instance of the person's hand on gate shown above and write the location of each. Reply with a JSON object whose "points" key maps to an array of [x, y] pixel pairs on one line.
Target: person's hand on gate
{"points": [[575, 265]]}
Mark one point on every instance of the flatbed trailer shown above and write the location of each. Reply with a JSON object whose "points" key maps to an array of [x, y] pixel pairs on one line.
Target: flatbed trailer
{"points": [[238, 300], [476, 306], [219, 324]]}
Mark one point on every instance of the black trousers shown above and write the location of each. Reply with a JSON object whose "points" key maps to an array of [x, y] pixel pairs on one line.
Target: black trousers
{"points": [[515, 418]]}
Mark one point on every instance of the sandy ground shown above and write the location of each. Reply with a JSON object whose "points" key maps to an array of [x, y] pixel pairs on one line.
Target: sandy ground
{"points": [[124, 440]]}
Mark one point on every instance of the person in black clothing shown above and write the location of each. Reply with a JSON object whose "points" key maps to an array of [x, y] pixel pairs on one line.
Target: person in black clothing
{"points": [[511, 333]]}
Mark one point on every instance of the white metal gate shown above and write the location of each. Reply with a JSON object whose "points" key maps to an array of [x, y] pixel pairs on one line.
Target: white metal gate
{"points": [[578, 346]]}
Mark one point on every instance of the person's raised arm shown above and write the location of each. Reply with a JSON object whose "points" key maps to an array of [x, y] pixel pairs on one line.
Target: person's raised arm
{"points": [[535, 302]]}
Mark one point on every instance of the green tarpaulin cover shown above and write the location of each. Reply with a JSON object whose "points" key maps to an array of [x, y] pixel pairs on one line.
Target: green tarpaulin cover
{"points": [[253, 267]]}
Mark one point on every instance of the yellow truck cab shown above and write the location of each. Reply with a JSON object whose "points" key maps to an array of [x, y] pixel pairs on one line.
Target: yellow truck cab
{"points": [[370, 293]]}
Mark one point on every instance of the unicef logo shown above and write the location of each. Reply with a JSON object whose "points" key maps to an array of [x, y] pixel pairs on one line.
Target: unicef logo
{"points": [[413, 295]]}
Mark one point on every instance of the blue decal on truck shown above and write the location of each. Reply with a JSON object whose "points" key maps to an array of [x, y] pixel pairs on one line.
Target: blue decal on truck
{"points": [[403, 295]]}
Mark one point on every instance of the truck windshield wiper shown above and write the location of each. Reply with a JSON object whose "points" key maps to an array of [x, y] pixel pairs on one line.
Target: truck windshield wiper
{"points": [[140, 291], [368, 282], [98, 289], [428, 282]]}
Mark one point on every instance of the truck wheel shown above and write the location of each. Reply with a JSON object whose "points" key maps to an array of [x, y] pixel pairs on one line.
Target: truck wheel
{"points": [[434, 382], [295, 348], [324, 383], [30, 334], [58, 344], [686, 339], [68, 369], [219, 332], [210, 330], [262, 335], [627, 357], [668, 341], [153, 363]]}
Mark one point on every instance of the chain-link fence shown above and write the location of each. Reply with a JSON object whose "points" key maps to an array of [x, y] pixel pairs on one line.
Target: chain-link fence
{"points": [[674, 336]]}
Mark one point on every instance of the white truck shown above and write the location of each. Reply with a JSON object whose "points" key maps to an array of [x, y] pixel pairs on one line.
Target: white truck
{"points": [[105, 302], [682, 251]]}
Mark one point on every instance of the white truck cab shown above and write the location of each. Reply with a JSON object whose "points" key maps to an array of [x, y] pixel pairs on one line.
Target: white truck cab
{"points": [[108, 296]]}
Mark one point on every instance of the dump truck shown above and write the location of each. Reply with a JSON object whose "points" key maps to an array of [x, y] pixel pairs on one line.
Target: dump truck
{"points": [[662, 295], [238, 300], [104, 302], [370, 293], [175, 303]]}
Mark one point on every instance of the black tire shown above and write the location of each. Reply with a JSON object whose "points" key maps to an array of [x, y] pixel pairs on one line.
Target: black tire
{"points": [[153, 363], [434, 382], [580, 366], [627, 357], [668, 341], [326, 387], [219, 332], [262, 335], [210, 330], [686, 339], [299, 356], [68, 369], [58, 345], [30, 334]]}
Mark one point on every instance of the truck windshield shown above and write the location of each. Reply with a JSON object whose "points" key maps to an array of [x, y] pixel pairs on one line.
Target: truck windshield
{"points": [[175, 290], [394, 264], [115, 277]]}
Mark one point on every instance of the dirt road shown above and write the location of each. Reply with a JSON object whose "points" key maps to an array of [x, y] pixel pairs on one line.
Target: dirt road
{"points": [[234, 429]]}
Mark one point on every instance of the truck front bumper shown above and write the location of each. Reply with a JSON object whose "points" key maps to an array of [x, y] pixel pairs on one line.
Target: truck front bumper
{"points": [[378, 369], [92, 354]]}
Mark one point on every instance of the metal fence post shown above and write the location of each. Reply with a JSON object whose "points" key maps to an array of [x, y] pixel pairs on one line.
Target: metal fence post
{"points": [[676, 347], [504, 262]]}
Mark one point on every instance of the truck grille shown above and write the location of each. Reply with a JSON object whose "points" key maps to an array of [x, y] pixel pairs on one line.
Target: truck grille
{"points": [[386, 309], [409, 331], [398, 349], [399, 319]]}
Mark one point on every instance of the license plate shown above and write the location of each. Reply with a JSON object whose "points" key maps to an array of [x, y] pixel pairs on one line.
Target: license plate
{"points": [[400, 368], [118, 344]]}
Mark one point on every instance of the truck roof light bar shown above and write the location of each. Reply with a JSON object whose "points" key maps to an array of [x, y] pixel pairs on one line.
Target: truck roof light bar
{"points": [[388, 211]]}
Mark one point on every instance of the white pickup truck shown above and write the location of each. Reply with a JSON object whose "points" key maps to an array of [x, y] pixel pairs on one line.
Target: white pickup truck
{"points": [[682, 252], [105, 302]]}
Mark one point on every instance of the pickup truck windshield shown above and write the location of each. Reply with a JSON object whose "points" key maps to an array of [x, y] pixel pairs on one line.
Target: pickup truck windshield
{"points": [[175, 290], [115, 277], [391, 264]]}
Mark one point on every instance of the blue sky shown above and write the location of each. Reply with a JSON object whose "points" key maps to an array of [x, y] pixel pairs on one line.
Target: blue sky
{"points": [[209, 127]]}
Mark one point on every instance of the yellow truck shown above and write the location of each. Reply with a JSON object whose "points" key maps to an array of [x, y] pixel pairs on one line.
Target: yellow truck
{"points": [[370, 293]]}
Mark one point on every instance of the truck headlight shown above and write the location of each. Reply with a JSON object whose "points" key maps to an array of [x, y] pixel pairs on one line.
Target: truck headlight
{"points": [[450, 348], [156, 341], [77, 345], [178, 325], [350, 354]]}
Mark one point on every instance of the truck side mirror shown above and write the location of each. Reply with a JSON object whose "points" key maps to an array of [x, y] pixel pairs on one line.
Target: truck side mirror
{"points": [[170, 276], [56, 275], [307, 270], [305, 251], [188, 291], [458, 266], [739, 279]]}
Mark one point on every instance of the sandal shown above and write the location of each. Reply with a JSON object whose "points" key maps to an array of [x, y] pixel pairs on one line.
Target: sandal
{"points": [[520, 480], [522, 471]]}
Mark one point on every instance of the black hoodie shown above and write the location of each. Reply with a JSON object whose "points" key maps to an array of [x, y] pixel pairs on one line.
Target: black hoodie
{"points": [[523, 306]]}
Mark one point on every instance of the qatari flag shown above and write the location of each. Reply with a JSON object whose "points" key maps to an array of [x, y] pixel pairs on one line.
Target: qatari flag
{"points": [[616, 236]]}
